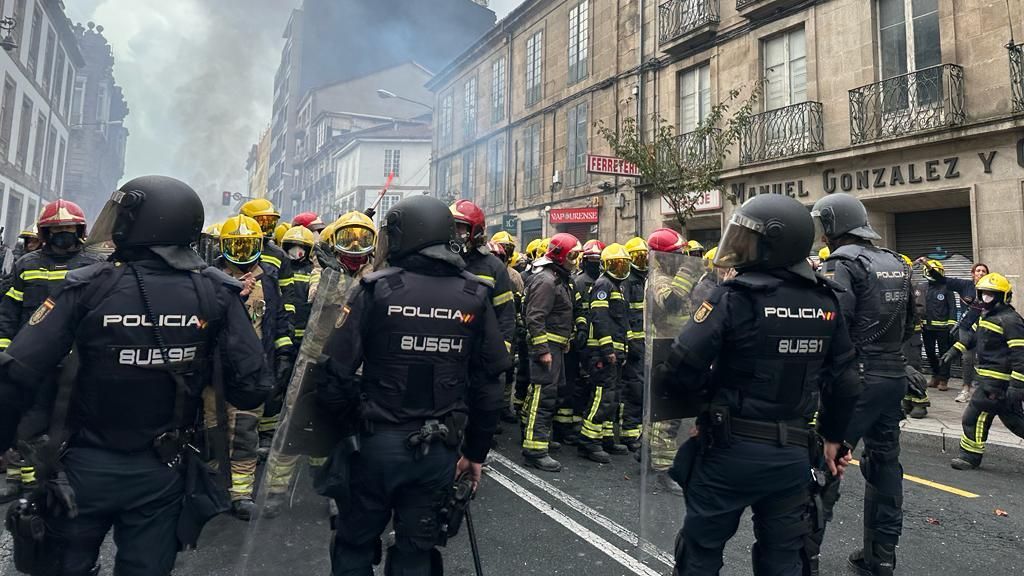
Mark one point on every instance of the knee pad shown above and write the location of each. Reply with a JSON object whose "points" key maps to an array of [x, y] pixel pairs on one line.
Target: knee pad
{"points": [[877, 457]]}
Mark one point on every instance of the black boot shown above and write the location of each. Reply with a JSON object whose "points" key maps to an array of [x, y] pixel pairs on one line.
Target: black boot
{"points": [[595, 453], [615, 449], [880, 562], [966, 461], [243, 509], [545, 463]]}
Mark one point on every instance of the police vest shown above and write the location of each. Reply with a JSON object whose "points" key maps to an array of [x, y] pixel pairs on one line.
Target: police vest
{"points": [[771, 370], [418, 342], [882, 290]]}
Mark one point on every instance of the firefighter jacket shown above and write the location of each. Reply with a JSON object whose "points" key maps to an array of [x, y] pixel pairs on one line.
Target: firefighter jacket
{"points": [[633, 288], [609, 318], [494, 272], [124, 397], [35, 277], [778, 343], [297, 300], [265, 307], [428, 343], [939, 306], [998, 342], [549, 309], [275, 257]]}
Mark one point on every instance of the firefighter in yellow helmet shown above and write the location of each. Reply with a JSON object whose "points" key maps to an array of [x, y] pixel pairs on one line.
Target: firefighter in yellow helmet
{"points": [[263, 211], [694, 248], [939, 319], [506, 245], [279, 231], [209, 243], [241, 243], [633, 289]]}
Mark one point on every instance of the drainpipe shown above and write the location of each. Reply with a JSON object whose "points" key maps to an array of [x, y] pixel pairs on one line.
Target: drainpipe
{"points": [[640, 113]]}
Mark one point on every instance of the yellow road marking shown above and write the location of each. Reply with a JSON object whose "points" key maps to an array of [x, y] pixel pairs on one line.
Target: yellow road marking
{"points": [[930, 484]]}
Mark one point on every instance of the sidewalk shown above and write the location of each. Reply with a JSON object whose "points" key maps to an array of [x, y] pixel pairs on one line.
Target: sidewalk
{"points": [[944, 420]]}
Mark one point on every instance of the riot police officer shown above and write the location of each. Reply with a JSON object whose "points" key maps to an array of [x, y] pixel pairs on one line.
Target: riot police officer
{"points": [[144, 326], [426, 337], [777, 341], [877, 303]]}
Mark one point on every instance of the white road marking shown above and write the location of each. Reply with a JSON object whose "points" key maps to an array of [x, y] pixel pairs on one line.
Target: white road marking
{"points": [[606, 547], [607, 523]]}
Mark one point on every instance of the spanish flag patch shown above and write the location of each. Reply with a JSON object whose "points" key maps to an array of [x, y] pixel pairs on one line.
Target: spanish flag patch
{"points": [[41, 312], [703, 312]]}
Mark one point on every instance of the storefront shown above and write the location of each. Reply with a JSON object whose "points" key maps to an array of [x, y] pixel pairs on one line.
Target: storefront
{"points": [[705, 225], [581, 222]]}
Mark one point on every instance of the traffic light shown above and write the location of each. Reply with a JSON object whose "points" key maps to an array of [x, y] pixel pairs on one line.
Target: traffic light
{"points": [[226, 200]]}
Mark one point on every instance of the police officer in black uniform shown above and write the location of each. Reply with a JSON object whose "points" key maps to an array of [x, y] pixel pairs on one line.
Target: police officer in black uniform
{"points": [[144, 326], [877, 303], [778, 343], [425, 334]]}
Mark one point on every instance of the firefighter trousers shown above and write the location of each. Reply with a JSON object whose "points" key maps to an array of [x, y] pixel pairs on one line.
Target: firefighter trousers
{"points": [[599, 421], [977, 420], [541, 403], [243, 442]]}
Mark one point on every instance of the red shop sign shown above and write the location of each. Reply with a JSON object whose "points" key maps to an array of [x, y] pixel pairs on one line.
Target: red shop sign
{"points": [[573, 215], [610, 165]]}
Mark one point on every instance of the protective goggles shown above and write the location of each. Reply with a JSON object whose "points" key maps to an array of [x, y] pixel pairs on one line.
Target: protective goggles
{"points": [[640, 261], [354, 240], [241, 250], [267, 222], [617, 268]]}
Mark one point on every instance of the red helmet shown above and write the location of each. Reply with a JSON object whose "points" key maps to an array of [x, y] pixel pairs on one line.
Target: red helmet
{"points": [[561, 248], [308, 220], [666, 240], [61, 212], [593, 249], [465, 212], [498, 250]]}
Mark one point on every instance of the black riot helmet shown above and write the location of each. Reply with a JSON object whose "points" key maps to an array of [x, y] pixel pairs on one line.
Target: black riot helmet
{"points": [[840, 214], [766, 232], [420, 225], [157, 212]]}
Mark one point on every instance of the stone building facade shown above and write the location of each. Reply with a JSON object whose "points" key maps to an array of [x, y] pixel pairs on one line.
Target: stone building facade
{"points": [[914, 106]]}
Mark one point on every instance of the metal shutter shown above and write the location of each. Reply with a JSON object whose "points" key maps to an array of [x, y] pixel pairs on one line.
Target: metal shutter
{"points": [[924, 233]]}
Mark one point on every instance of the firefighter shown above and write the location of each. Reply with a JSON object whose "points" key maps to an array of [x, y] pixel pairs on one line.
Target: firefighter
{"points": [[279, 231], [263, 211], [241, 242], [939, 318], [916, 401], [694, 248], [505, 248], [309, 220], [606, 353], [349, 243], [998, 344], [549, 324], [583, 281], [634, 289], [209, 243]]}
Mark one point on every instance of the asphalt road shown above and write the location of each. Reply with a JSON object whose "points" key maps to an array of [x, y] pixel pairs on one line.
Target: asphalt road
{"points": [[584, 520]]}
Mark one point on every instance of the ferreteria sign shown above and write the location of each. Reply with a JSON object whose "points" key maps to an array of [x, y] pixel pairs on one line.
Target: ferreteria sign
{"points": [[873, 179]]}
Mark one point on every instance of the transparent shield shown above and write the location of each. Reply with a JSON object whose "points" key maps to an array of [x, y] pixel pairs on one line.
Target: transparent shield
{"points": [[291, 527], [676, 286]]}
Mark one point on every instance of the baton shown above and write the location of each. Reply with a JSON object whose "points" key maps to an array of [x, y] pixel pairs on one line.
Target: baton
{"points": [[472, 543], [383, 191]]}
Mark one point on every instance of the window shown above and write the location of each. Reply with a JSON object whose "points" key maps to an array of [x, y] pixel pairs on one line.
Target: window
{"points": [[37, 154], [30, 213], [909, 44], [496, 171], [7, 115], [694, 97], [387, 202], [392, 163], [444, 120], [78, 117], [469, 109], [67, 95], [469, 174], [579, 40], [51, 143], [444, 178], [498, 89], [33, 48], [51, 40], [576, 148], [13, 220], [58, 79], [534, 63], [531, 159], [59, 186], [24, 130], [785, 69], [19, 23]]}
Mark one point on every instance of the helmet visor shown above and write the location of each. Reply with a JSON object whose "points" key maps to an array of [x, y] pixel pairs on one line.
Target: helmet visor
{"points": [[354, 240], [267, 223], [617, 268], [740, 242], [241, 250], [103, 230], [640, 260], [572, 260]]}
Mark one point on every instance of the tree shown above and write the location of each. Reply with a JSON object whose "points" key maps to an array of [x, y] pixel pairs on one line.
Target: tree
{"points": [[680, 168]]}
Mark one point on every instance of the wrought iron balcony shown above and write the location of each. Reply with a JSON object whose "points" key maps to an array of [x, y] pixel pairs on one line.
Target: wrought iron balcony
{"points": [[1017, 75], [757, 8], [697, 149], [920, 101], [783, 132], [686, 23]]}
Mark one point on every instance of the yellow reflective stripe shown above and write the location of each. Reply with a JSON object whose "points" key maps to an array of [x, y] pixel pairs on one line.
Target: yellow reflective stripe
{"points": [[959, 346], [581, 320], [992, 326], [629, 433], [503, 298], [485, 277], [619, 346], [604, 341], [15, 294], [528, 442], [557, 339], [289, 307], [1015, 342], [44, 274], [5, 342], [1017, 376], [971, 446], [942, 322], [299, 333], [508, 346], [542, 339], [615, 296], [992, 374], [28, 474], [636, 305], [635, 335], [275, 262], [599, 304], [286, 282], [682, 282], [301, 277], [282, 342], [590, 429]]}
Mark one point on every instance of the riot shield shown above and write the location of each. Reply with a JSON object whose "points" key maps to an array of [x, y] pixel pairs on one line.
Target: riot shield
{"points": [[676, 287], [292, 527]]}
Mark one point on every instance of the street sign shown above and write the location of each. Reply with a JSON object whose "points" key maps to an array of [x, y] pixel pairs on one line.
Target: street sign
{"points": [[509, 223], [611, 165]]}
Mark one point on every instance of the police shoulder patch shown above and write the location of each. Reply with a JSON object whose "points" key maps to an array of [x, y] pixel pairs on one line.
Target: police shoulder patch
{"points": [[703, 312], [41, 312]]}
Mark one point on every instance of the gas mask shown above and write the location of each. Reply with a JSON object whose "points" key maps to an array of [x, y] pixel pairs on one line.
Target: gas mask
{"points": [[63, 240]]}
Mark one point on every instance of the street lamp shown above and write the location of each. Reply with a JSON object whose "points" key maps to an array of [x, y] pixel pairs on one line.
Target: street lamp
{"points": [[7, 26], [387, 94]]}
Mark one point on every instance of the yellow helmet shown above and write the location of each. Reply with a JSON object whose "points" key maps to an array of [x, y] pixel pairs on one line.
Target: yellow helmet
{"points": [[263, 211], [709, 258], [636, 247], [994, 283], [26, 234], [241, 239], [213, 231], [514, 260], [298, 235], [824, 253], [935, 266], [279, 232], [503, 237], [531, 248], [693, 248], [616, 261], [353, 234], [542, 248], [906, 260]]}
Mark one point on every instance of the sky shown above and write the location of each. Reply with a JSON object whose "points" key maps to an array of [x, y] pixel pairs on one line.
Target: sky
{"points": [[198, 77]]}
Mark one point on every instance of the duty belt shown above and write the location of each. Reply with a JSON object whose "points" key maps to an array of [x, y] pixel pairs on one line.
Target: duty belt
{"points": [[778, 433]]}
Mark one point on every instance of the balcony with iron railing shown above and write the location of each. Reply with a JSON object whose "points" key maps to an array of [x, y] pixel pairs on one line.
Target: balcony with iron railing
{"points": [[698, 148], [752, 9], [919, 101], [683, 24], [783, 133], [1017, 75]]}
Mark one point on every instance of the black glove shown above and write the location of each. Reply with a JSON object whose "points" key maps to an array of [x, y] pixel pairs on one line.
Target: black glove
{"points": [[60, 496], [283, 370], [950, 355], [370, 212]]}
